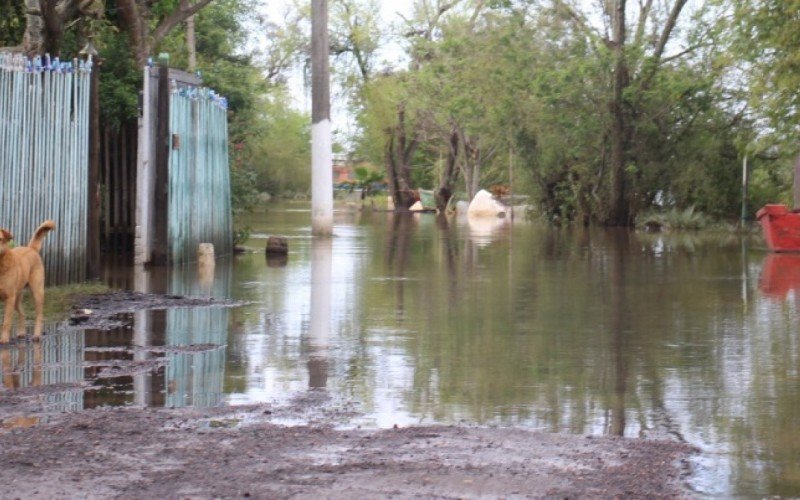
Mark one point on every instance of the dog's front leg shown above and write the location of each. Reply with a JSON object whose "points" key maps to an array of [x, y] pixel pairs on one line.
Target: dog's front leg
{"points": [[21, 313], [5, 337]]}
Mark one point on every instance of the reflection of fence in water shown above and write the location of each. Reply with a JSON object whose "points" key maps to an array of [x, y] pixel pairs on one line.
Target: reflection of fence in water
{"points": [[196, 378], [55, 360]]}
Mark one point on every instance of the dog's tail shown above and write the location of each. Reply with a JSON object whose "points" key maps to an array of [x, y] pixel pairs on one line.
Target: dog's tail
{"points": [[38, 236]]}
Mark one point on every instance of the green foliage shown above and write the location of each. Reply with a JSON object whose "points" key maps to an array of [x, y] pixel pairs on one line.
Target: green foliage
{"points": [[244, 194], [766, 34], [365, 176], [12, 22], [533, 81], [278, 148], [674, 219], [120, 81], [241, 235]]}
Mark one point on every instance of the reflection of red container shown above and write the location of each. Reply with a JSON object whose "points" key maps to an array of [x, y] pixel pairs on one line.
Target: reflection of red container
{"points": [[781, 228], [780, 274]]}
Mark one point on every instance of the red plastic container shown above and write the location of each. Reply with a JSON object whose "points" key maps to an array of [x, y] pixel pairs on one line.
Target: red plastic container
{"points": [[781, 228], [780, 274]]}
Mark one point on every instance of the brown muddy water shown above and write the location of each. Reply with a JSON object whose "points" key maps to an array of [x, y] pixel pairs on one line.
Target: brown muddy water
{"points": [[412, 320]]}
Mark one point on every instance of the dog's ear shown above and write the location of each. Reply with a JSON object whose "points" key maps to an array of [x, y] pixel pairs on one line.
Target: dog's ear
{"points": [[6, 236]]}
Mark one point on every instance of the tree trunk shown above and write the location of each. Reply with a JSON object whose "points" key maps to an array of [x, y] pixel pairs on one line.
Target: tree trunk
{"points": [[54, 17], [191, 42], [448, 179], [136, 27], [619, 214], [399, 153], [33, 39], [470, 163]]}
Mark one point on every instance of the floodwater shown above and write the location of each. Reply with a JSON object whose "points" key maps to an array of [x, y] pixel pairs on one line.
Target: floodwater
{"points": [[420, 321]]}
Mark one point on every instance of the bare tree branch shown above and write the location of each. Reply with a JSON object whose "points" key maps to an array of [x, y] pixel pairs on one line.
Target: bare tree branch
{"points": [[666, 33], [578, 20], [171, 21], [644, 13]]}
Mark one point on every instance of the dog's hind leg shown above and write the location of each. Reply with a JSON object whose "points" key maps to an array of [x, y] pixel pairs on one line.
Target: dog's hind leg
{"points": [[38, 301], [21, 313], [8, 317]]}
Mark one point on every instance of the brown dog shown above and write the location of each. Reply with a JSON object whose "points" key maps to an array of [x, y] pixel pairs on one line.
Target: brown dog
{"points": [[22, 266]]}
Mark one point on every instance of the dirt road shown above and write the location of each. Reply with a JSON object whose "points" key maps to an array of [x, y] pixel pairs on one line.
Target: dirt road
{"points": [[238, 452]]}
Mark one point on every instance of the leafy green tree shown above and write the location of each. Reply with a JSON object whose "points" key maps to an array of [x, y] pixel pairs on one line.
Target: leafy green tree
{"points": [[767, 34], [606, 119], [12, 22], [764, 36]]}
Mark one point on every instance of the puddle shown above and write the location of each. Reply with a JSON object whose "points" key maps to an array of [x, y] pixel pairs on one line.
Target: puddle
{"points": [[162, 358], [572, 330]]}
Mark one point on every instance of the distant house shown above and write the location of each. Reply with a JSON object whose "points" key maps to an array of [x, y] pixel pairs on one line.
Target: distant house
{"points": [[342, 170], [342, 174]]}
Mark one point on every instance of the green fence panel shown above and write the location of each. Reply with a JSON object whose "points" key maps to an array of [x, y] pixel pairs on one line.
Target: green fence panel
{"points": [[199, 181], [44, 148]]}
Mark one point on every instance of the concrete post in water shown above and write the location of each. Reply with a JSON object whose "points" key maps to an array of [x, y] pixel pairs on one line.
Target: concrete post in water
{"points": [[321, 141], [205, 266]]}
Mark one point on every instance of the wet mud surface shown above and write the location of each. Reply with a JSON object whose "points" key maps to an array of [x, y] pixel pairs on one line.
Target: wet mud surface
{"points": [[299, 448], [106, 311], [239, 452]]}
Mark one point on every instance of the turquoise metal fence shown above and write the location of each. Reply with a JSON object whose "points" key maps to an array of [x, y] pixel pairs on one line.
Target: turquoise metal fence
{"points": [[199, 182], [44, 141]]}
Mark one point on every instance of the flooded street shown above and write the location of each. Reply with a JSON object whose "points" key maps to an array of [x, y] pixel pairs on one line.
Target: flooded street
{"points": [[410, 320]]}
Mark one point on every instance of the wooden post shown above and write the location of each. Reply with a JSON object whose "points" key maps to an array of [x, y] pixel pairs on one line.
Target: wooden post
{"points": [[321, 141], [93, 205], [160, 255]]}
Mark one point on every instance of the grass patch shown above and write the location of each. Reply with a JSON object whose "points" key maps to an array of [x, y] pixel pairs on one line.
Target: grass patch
{"points": [[59, 299], [674, 219]]}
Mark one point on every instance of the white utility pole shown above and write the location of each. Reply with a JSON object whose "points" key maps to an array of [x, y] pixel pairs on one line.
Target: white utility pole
{"points": [[321, 141]]}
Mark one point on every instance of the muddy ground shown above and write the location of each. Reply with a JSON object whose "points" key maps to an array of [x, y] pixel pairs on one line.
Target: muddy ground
{"points": [[250, 452]]}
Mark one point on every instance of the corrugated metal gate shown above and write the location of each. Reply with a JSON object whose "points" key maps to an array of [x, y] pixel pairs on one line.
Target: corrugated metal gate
{"points": [[44, 140], [183, 182], [199, 186]]}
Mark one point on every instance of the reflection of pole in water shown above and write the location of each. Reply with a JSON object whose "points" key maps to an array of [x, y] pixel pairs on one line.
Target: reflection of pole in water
{"points": [[399, 240], [619, 325], [142, 328], [450, 257], [744, 273], [320, 321]]}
